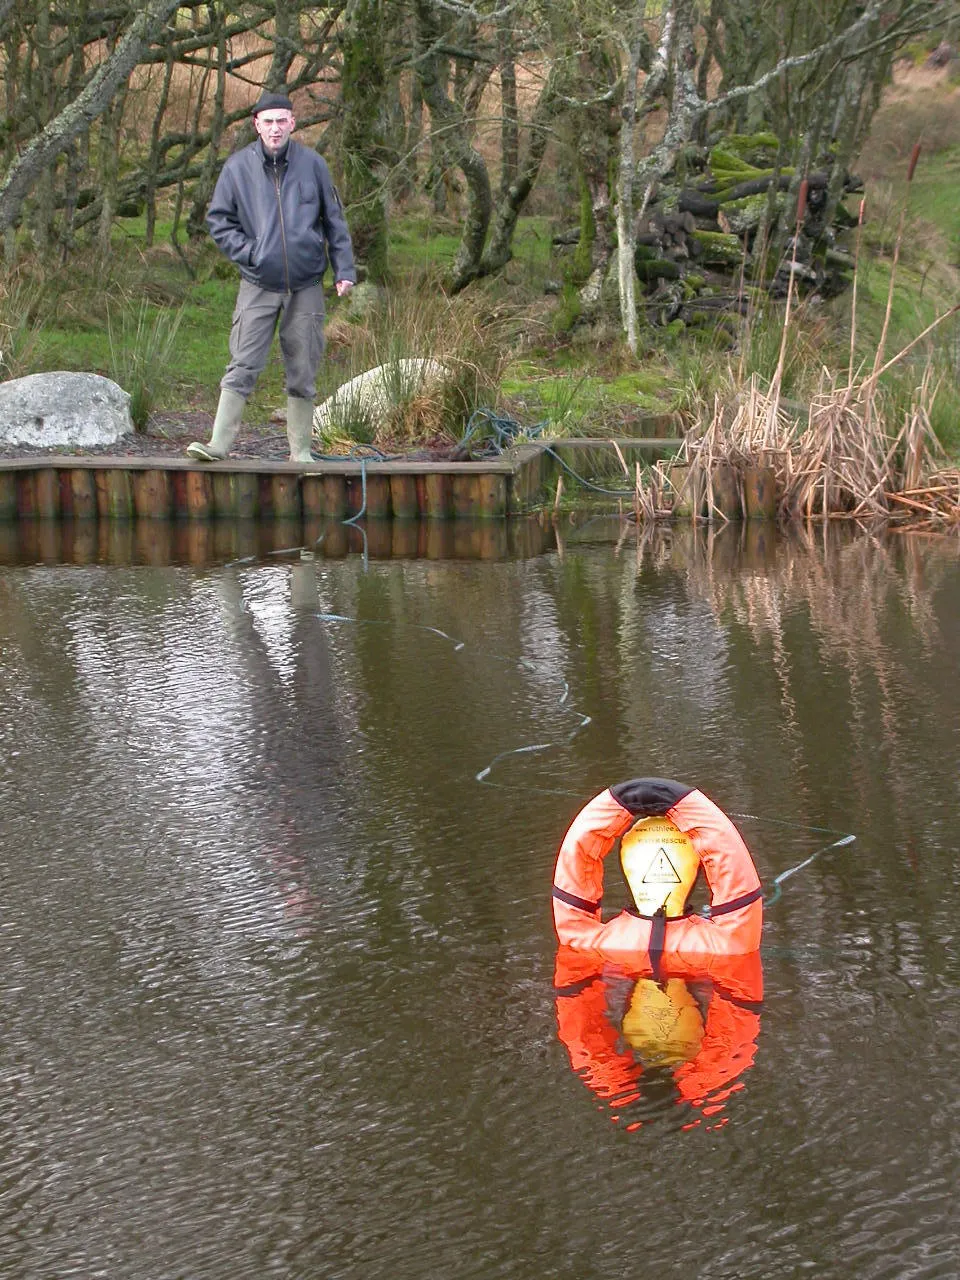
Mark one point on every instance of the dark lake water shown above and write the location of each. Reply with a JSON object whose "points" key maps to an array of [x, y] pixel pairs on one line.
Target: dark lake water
{"points": [[276, 953]]}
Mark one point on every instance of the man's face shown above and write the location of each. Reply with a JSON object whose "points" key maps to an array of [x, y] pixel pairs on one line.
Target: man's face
{"points": [[274, 128]]}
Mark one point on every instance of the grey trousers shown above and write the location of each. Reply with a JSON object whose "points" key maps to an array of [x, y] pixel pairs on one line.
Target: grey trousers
{"points": [[301, 338]]}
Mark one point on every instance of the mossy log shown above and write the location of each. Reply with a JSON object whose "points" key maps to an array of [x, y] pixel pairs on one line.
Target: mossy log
{"points": [[747, 144], [742, 217], [706, 200], [656, 269], [718, 247]]}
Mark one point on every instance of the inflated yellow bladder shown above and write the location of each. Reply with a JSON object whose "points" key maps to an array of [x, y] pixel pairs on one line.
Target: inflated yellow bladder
{"points": [[660, 864], [663, 1023]]}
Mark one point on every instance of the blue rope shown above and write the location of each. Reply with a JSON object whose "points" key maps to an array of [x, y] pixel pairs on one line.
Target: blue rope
{"points": [[507, 431], [503, 433], [363, 494]]}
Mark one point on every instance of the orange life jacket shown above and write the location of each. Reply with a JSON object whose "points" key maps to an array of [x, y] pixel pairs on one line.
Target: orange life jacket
{"points": [[735, 916]]}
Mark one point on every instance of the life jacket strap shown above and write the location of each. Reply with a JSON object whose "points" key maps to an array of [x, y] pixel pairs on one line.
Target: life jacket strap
{"points": [[658, 937], [571, 899], [735, 904]]}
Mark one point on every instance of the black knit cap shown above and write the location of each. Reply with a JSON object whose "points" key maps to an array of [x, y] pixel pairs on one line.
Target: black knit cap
{"points": [[272, 102]]}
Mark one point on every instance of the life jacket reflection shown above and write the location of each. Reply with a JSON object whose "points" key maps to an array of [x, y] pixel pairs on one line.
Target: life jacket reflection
{"points": [[663, 1025], [693, 1024]]}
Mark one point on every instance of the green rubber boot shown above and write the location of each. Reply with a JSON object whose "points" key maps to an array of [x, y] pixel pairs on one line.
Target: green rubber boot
{"points": [[225, 427], [299, 428]]}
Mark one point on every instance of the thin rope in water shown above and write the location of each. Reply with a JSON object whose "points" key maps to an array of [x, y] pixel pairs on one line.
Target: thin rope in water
{"points": [[776, 893], [772, 890]]}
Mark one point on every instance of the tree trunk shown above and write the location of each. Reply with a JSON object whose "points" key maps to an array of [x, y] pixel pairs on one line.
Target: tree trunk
{"points": [[626, 226], [77, 116], [363, 85], [509, 117], [512, 200], [448, 119]]}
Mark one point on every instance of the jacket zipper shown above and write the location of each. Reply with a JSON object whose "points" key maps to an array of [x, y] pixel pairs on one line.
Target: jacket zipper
{"points": [[283, 233]]}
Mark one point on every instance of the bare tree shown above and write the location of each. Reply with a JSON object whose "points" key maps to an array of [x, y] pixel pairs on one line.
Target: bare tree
{"points": [[76, 117]]}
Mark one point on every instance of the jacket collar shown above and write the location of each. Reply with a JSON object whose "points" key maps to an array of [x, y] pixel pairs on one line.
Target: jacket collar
{"points": [[275, 160]]}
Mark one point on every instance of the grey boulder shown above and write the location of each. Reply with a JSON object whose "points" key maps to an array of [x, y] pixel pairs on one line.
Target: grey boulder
{"points": [[66, 409]]}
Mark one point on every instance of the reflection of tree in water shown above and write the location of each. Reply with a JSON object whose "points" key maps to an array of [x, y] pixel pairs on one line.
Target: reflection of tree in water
{"points": [[847, 591], [844, 641], [192, 712]]}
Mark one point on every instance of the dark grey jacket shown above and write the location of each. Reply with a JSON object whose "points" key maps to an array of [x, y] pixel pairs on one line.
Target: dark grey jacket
{"points": [[280, 220]]}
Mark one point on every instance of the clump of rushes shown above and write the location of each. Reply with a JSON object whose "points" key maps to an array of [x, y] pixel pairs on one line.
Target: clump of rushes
{"points": [[846, 461], [142, 356], [469, 334], [19, 326]]}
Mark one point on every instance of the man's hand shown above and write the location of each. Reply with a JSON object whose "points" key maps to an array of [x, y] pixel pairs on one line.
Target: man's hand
{"points": [[344, 287]]}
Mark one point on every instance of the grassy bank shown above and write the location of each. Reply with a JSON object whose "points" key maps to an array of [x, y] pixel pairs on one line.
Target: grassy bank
{"points": [[157, 321]]}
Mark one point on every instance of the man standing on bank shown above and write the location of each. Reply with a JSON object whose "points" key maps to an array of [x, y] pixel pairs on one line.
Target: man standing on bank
{"points": [[276, 213]]}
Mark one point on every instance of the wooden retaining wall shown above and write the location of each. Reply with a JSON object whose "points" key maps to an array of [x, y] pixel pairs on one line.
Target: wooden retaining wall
{"points": [[125, 488], [112, 488]]}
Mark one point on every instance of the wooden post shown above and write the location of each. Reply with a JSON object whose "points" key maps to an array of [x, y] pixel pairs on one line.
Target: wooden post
{"points": [[353, 486], [78, 494], [539, 472], [334, 496], [8, 495], [197, 496], [725, 482], [152, 496], [312, 497], [433, 494], [114, 495], [26, 495], [688, 500], [285, 496], [236, 495], [48, 494], [479, 496], [403, 497], [760, 493], [378, 496]]}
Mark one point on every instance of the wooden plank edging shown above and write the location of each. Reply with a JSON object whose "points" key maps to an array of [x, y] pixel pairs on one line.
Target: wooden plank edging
{"points": [[58, 486]]}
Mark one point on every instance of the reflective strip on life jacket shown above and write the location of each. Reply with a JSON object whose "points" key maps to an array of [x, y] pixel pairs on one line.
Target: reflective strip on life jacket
{"points": [[735, 922]]}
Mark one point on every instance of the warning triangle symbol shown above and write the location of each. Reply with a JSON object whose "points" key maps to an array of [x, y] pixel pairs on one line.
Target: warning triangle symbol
{"points": [[661, 870]]}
